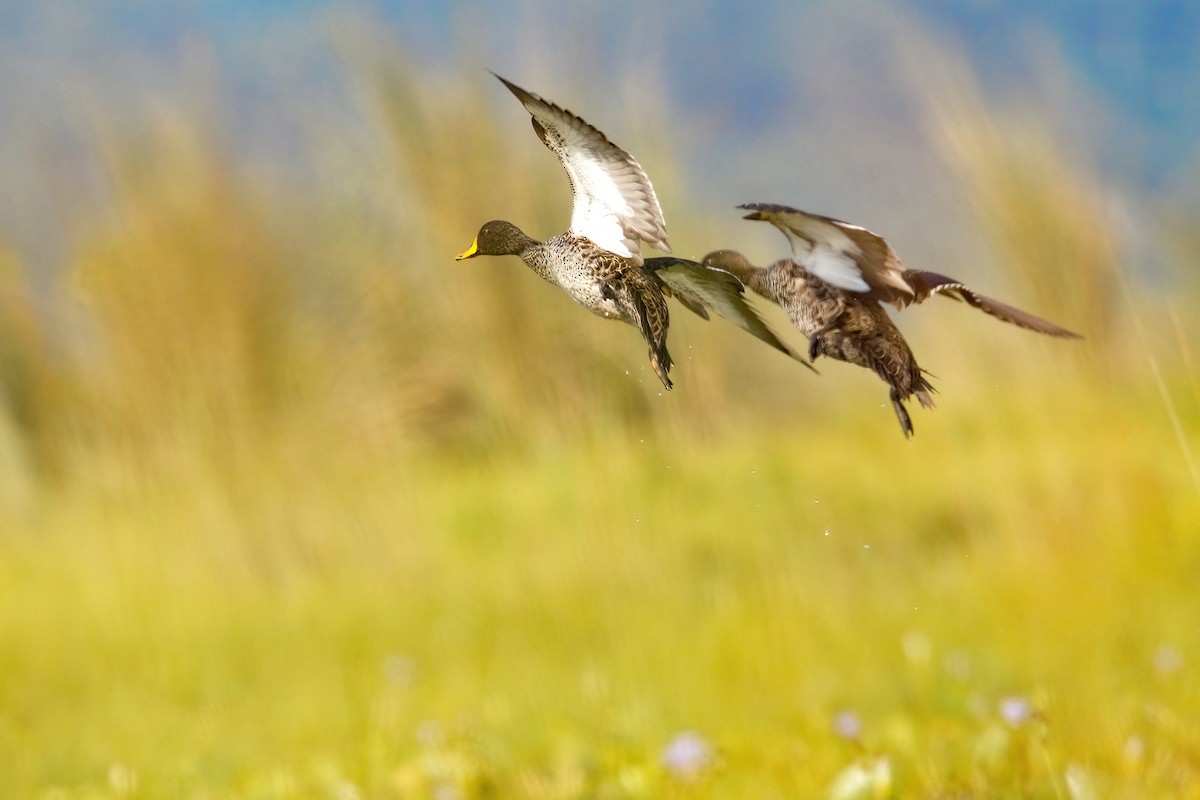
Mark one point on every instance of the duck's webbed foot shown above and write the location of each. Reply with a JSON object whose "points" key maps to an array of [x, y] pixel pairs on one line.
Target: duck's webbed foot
{"points": [[814, 341], [814, 348], [901, 414]]}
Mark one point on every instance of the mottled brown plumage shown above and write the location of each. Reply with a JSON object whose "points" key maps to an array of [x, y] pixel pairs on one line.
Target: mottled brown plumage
{"points": [[832, 289]]}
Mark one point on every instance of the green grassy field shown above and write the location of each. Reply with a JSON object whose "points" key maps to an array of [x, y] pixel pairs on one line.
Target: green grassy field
{"points": [[293, 506]]}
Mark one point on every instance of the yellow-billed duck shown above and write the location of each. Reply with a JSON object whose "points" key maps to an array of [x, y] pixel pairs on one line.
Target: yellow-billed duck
{"points": [[832, 289], [598, 261]]}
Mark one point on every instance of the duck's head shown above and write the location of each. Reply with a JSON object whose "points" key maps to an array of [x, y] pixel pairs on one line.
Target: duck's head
{"points": [[497, 238], [730, 261]]}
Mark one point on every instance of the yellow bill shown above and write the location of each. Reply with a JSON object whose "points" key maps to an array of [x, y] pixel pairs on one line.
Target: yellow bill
{"points": [[470, 252]]}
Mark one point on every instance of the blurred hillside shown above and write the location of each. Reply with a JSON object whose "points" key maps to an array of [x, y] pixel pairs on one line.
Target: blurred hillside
{"points": [[248, 249]]}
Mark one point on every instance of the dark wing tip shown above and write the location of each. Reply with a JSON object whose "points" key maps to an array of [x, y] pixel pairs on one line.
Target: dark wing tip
{"points": [[765, 211], [1015, 316], [520, 93], [754, 209], [775, 207]]}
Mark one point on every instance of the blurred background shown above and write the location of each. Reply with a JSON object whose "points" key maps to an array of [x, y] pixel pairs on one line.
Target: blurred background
{"points": [[293, 505]]}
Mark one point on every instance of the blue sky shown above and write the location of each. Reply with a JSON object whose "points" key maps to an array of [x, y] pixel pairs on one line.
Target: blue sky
{"points": [[811, 82], [1142, 59]]}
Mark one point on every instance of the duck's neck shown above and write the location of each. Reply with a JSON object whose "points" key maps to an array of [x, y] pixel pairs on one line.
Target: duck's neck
{"points": [[537, 257], [750, 275], [524, 246]]}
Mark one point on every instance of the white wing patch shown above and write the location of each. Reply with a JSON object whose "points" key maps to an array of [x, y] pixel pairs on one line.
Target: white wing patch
{"points": [[615, 205], [837, 268], [826, 251]]}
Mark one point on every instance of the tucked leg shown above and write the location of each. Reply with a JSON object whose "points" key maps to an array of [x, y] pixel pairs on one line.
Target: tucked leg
{"points": [[660, 368], [814, 341]]}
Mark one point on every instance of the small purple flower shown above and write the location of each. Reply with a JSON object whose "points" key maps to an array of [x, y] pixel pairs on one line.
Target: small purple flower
{"points": [[847, 725], [687, 755], [1015, 709]]}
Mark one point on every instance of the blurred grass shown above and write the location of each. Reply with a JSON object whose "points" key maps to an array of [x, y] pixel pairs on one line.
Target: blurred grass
{"points": [[294, 506]]}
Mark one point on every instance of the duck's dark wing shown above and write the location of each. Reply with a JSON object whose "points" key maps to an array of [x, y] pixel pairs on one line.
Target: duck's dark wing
{"points": [[615, 205], [929, 283], [702, 289]]}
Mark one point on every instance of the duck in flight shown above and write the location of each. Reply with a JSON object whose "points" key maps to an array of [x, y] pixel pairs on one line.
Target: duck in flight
{"points": [[598, 261], [832, 289]]}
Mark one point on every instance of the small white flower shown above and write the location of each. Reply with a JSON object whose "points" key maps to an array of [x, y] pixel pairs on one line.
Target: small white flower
{"points": [[1167, 659], [1080, 784], [123, 779], [957, 665], [917, 648], [687, 755], [400, 669], [866, 779], [1134, 751], [430, 733]]}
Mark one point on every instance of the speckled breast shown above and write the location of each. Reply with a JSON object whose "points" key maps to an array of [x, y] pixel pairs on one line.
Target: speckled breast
{"points": [[571, 264], [811, 303]]}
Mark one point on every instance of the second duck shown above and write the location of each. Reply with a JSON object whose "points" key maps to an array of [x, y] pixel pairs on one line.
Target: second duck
{"points": [[832, 288]]}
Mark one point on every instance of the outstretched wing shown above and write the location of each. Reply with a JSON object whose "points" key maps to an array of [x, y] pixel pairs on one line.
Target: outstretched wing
{"points": [[615, 205], [928, 283], [845, 255], [702, 288], [853, 258]]}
